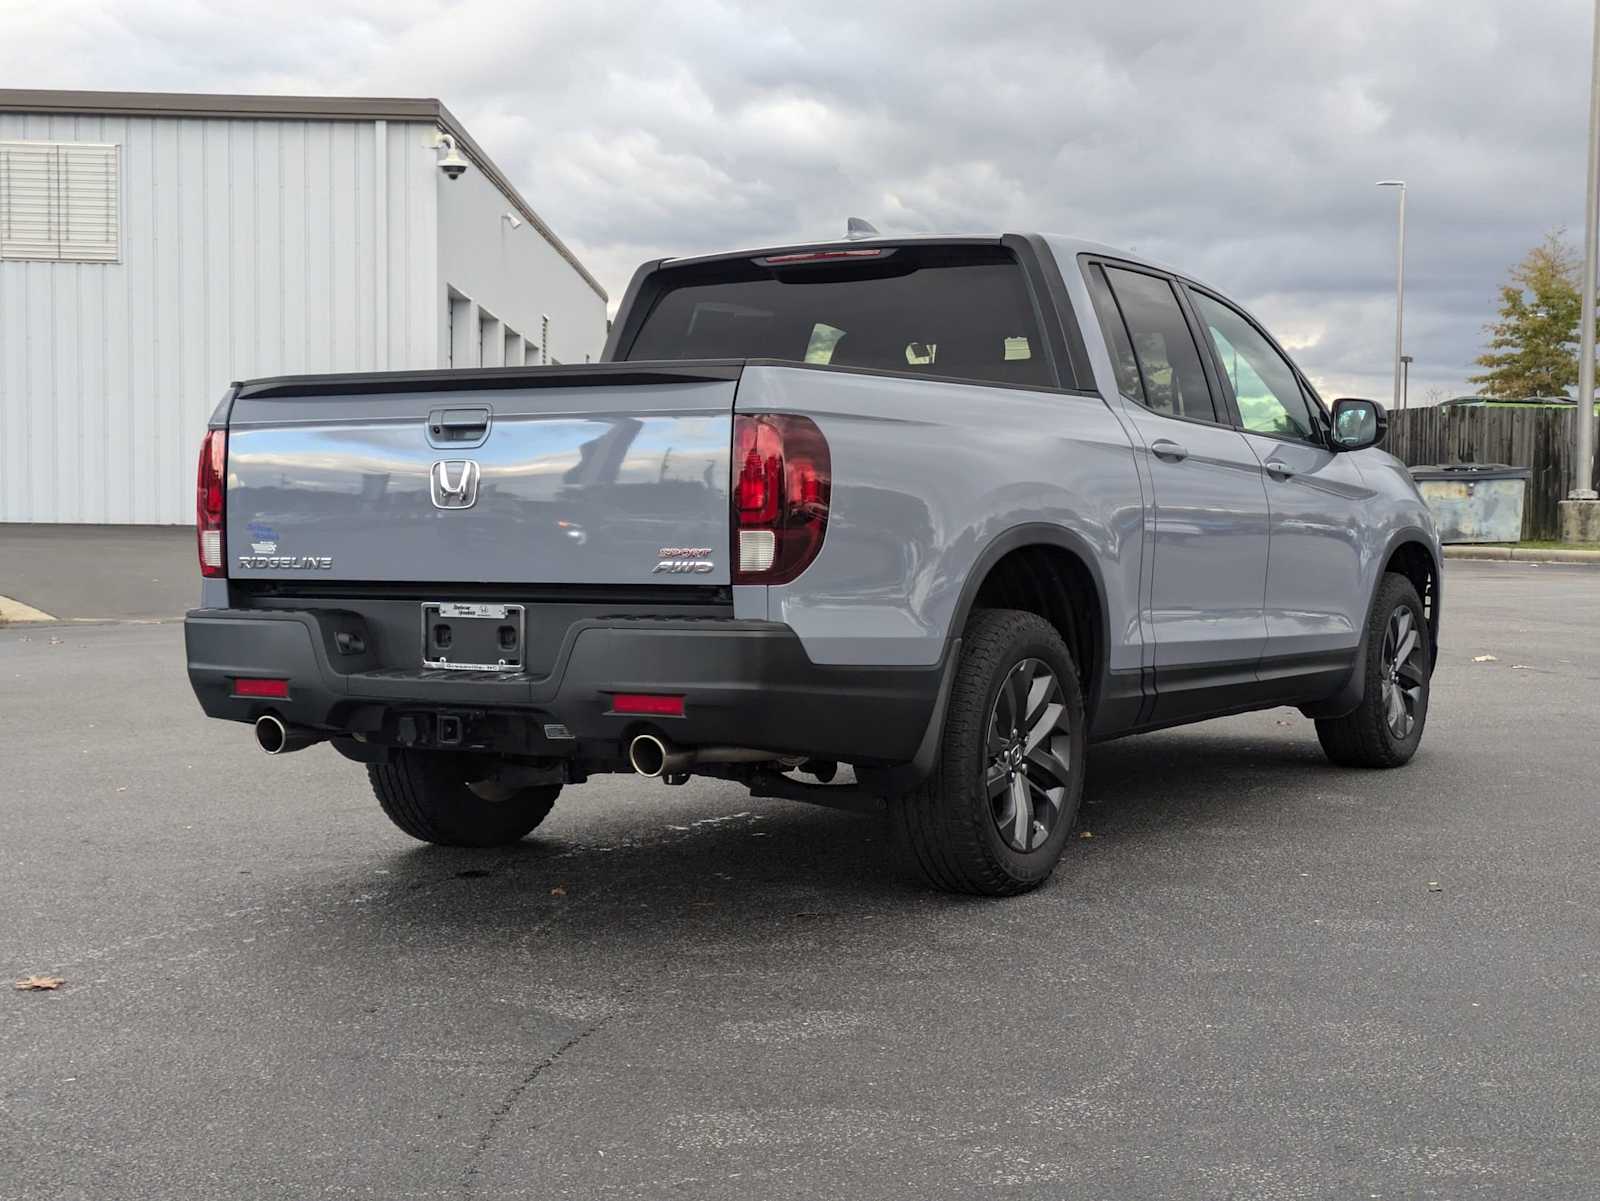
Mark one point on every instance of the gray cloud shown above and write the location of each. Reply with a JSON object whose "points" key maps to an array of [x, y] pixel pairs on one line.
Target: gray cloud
{"points": [[1239, 139]]}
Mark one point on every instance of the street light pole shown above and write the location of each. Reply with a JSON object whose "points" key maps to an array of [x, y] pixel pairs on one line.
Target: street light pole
{"points": [[1583, 440], [1400, 286]]}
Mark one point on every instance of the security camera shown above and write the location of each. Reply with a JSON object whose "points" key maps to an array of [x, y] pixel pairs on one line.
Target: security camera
{"points": [[452, 164]]}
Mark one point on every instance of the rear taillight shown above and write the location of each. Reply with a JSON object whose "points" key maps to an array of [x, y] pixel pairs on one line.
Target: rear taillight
{"points": [[782, 480], [208, 497]]}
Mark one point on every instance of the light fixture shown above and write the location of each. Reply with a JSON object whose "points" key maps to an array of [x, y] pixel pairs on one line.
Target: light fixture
{"points": [[512, 220]]}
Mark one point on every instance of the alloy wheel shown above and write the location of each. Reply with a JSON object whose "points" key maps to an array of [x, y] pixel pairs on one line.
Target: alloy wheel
{"points": [[1405, 676], [1028, 761]]}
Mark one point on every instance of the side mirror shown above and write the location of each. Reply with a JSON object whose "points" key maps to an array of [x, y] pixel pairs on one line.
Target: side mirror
{"points": [[1358, 424]]}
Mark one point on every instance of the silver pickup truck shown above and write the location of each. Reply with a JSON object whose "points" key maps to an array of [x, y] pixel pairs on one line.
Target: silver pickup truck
{"points": [[944, 510]]}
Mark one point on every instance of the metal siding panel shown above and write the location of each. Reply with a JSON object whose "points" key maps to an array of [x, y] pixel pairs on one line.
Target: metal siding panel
{"points": [[242, 281], [166, 320], [15, 443], [414, 249], [363, 213], [380, 243], [62, 494], [142, 299], [209, 307], [430, 319], [319, 244], [190, 316], [343, 249], [115, 358], [39, 388], [293, 252], [267, 250]]}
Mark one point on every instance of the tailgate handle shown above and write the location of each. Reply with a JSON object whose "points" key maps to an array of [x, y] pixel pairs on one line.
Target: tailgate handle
{"points": [[458, 427]]}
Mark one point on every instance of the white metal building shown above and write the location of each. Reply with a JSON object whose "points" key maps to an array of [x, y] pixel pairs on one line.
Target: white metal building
{"points": [[154, 247]]}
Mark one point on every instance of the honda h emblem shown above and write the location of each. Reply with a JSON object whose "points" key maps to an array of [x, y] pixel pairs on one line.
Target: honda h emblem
{"points": [[454, 484]]}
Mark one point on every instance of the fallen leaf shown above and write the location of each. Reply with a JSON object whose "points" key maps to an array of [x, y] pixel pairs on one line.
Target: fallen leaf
{"points": [[39, 984], [560, 890], [1484, 659], [1435, 886], [1085, 834]]}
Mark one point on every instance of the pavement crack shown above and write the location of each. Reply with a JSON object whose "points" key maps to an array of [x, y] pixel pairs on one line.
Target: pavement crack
{"points": [[491, 1128]]}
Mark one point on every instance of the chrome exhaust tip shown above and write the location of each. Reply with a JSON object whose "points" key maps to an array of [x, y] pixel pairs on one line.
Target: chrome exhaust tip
{"points": [[647, 754], [276, 738], [271, 734]]}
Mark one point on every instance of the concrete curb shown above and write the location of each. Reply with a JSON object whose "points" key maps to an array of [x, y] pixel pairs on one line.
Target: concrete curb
{"points": [[14, 612], [1518, 554]]}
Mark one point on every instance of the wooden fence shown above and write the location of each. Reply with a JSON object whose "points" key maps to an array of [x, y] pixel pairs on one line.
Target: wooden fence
{"points": [[1539, 439]]}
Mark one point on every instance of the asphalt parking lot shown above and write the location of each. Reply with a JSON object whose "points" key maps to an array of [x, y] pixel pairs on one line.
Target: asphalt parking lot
{"points": [[1261, 977]]}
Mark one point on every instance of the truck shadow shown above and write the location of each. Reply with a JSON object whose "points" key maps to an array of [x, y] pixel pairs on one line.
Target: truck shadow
{"points": [[682, 873]]}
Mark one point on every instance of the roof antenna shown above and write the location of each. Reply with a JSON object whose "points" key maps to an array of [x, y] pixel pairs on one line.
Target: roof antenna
{"points": [[857, 228]]}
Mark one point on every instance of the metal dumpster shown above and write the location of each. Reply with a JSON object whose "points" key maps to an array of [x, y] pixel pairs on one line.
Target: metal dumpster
{"points": [[1475, 502]]}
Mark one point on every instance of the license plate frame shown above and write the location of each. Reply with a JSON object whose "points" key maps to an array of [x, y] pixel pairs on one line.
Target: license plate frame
{"points": [[471, 636]]}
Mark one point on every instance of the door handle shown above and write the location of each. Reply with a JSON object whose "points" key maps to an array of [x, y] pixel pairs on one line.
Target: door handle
{"points": [[1278, 469], [458, 427], [1168, 450]]}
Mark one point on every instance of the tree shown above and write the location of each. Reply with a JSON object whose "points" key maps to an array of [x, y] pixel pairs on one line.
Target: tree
{"points": [[1533, 347]]}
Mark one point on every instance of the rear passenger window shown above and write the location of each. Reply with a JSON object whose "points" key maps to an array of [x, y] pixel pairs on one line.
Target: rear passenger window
{"points": [[1121, 350], [1164, 352]]}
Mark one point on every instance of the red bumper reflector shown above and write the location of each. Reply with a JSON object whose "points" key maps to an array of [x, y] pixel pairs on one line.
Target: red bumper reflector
{"points": [[647, 705], [276, 689]]}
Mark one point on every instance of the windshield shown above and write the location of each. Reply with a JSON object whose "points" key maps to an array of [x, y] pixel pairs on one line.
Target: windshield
{"points": [[957, 311]]}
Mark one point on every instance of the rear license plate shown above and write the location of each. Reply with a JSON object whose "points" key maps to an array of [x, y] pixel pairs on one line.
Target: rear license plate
{"points": [[472, 637]]}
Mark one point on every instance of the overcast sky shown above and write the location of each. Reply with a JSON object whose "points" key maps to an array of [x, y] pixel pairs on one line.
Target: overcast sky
{"points": [[1238, 139]]}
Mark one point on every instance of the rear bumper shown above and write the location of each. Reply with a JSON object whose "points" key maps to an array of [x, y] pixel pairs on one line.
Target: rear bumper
{"points": [[745, 683]]}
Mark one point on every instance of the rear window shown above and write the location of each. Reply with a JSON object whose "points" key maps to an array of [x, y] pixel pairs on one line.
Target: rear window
{"points": [[957, 311]]}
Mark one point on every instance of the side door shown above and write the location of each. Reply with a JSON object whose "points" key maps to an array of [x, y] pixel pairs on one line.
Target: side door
{"points": [[1209, 562], [1315, 599]]}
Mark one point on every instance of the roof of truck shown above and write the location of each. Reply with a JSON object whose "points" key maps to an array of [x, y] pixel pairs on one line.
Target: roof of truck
{"points": [[1063, 243]]}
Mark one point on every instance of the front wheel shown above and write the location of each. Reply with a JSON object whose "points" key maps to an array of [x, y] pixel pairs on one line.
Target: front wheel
{"points": [[1385, 729], [440, 797], [995, 814]]}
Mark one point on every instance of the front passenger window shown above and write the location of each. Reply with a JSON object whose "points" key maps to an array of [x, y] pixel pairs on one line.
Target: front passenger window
{"points": [[1268, 392]]}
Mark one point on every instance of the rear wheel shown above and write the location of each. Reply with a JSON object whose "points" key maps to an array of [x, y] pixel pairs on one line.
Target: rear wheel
{"points": [[994, 816], [452, 801], [1385, 729]]}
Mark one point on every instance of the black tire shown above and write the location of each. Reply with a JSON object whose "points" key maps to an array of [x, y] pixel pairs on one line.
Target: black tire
{"points": [[428, 794], [949, 830], [1368, 737]]}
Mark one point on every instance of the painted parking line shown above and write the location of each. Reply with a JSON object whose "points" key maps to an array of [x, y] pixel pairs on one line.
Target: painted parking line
{"points": [[16, 611]]}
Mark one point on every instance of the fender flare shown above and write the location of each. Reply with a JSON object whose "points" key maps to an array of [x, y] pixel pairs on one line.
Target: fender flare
{"points": [[896, 780], [1350, 695]]}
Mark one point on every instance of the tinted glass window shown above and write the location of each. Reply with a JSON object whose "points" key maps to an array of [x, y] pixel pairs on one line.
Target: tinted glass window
{"points": [[1268, 392], [1122, 360], [1163, 349], [963, 312]]}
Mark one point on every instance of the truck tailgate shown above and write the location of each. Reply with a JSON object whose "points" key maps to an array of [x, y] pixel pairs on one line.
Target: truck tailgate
{"points": [[561, 475]]}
